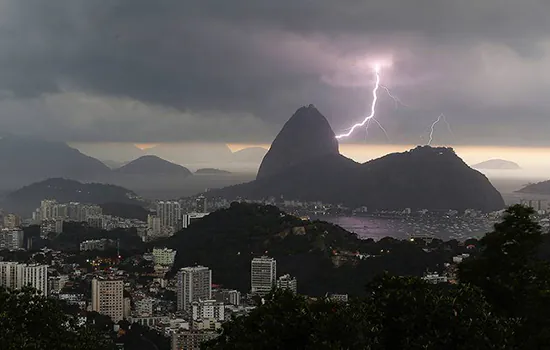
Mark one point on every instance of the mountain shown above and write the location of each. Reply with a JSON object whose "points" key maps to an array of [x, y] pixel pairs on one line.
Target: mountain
{"points": [[537, 188], [422, 178], [24, 160], [212, 171], [305, 136], [110, 152], [497, 164], [250, 155], [28, 198], [322, 256], [153, 165]]}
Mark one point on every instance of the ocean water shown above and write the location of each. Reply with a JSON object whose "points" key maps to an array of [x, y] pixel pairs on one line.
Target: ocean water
{"points": [[401, 227]]}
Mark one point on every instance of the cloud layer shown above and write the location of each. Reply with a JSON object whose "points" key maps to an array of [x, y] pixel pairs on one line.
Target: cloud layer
{"points": [[234, 71]]}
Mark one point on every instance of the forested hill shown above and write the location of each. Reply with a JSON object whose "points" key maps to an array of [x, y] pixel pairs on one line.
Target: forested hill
{"points": [[322, 256]]}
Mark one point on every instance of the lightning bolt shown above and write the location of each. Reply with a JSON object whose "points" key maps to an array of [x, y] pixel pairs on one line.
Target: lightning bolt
{"points": [[372, 109], [395, 99], [432, 127]]}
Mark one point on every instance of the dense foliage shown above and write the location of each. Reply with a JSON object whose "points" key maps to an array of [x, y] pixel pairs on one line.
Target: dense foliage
{"points": [[400, 313], [501, 302], [321, 255], [31, 321]]}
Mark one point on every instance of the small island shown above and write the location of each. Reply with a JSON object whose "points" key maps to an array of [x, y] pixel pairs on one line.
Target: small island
{"points": [[212, 171], [497, 164]]}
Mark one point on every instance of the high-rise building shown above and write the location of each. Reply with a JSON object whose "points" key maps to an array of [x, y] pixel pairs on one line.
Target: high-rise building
{"points": [[12, 221], [288, 283], [108, 298], [11, 239], [227, 296], [170, 215], [47, 209], [263, 275], [201, 204], [16, 276], [188, 219], [48, 226], [208, 309], [153, 226], [194, 284], [164, 256]]}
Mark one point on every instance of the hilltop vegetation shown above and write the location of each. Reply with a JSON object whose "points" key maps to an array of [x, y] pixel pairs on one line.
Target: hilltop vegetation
{"points": [[498, 304], [324, 257]]}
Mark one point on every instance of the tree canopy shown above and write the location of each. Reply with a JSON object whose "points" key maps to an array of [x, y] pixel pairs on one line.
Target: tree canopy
{"points": [[501, 302], [30, 321]]}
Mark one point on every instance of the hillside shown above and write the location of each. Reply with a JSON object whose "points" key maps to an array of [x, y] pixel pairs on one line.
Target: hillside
{"points": [[497, 164], [537, 188], [304, 163], [153, 165], [423, 178], [305, 136], [319, 254], [28, 198], [25, 160]]}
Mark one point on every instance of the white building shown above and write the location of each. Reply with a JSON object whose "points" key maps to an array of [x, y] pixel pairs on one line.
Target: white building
{"points": [[11, 239], [48, 226], [170, 214], [144, 307], [208, 310], [164, 256], [47, 209], [189, 218], [16, 276], [56, 283], [194, 284], [263, 275], [288, 283], [108, 298]]}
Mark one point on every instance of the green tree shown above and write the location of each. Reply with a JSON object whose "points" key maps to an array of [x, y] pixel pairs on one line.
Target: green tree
{"points": [[512, 276], [399, 313], [31, 321]]}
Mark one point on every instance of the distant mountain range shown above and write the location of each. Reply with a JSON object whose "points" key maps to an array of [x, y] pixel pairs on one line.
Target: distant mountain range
{"points": [[497, 164], [24, 160], [28, 198], [537, 188], [304, 163]]}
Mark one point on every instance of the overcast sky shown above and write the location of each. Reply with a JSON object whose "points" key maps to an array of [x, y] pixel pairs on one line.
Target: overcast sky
{"points": [[235, 71]]}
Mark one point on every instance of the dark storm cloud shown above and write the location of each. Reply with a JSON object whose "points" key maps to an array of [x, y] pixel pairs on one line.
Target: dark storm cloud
{"points": [[234, 71]]}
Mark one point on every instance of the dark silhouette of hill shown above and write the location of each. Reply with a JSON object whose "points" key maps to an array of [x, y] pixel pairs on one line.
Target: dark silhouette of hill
{"points": [[211, 171], [497, 164], [537, 188], [304, 163], [423, 178], [322, 256], [306, 135], [28, 198], [250, 155], [25, 160], [153, 165]]}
